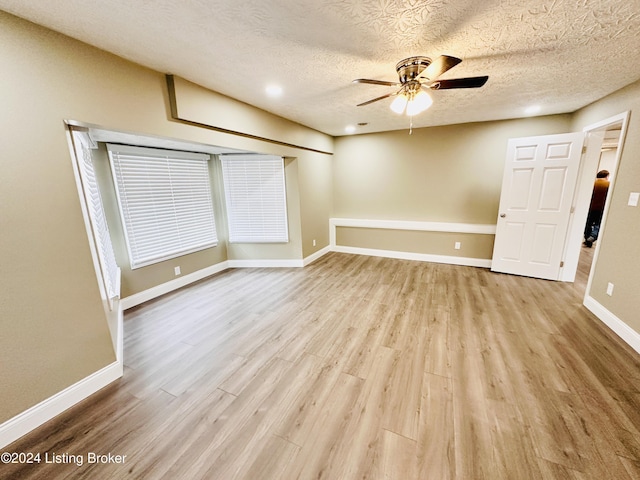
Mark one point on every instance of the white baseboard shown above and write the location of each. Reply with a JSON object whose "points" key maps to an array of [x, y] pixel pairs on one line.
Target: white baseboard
{"points": [[624, 331], [158, 290], [421, 257], [315, 256], [32, 418]]}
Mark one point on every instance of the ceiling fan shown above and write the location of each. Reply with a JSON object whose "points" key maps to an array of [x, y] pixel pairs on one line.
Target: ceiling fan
{"points": [[418, 74]]}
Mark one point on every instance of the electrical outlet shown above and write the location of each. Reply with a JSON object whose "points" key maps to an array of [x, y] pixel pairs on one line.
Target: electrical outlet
{"points": [[314, 242], [609, 288], [177, 271], [457, 246]]}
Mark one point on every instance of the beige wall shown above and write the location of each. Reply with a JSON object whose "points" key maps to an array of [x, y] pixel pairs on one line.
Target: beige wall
{"points": [[440, 174], [315, 182], [447, 174], [619, 254], [432, 243], [53, 328]]}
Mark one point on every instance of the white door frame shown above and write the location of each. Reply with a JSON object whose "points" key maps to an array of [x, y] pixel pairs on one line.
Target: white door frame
{"points": [[588, 169]]}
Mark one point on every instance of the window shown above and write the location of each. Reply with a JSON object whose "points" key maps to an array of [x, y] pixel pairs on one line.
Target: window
{"points": [[165, 202], [109, 270], [256, 198]]}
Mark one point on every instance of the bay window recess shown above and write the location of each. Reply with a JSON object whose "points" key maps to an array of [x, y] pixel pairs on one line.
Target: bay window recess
{"points": [[256, 199], [165, 202]]}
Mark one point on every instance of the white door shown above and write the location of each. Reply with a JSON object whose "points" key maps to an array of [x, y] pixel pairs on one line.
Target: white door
{"points": [[535, 204]]}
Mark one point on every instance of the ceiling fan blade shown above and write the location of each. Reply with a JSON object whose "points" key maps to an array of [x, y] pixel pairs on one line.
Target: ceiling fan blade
{"points": [[375, 82], [469, 82], [439, 66], [376, 99]]}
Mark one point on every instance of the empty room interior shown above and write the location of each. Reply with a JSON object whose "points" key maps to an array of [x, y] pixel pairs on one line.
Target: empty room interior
{"points": [[319, 239]]}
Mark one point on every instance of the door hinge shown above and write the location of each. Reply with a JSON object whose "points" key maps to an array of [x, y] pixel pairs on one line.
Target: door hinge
{"points": [[584, 149], [573, 209], [561, 264]]}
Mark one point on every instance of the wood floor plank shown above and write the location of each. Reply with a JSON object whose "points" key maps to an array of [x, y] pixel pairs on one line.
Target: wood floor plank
{"points": [[244, 447], [272, 460], [474, 453], [436, 445], [189, 419], [361, 358], [512, 444], [557, 472], [203, 450], [359, 367], [402, 409], [439, 341], [632, 467], [314, 458], [297, 425], [356, 452], [397, 458]]}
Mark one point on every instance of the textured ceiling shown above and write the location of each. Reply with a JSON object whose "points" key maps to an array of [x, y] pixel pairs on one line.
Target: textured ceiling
{"points": [[558, 54]]}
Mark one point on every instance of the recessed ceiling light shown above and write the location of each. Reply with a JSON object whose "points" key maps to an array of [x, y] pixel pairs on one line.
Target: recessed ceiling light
{"points": [[350, 129], [532, 109], [274, 90]]}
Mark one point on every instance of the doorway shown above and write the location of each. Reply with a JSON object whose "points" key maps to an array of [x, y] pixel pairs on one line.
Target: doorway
{"points": [[604, 142]]}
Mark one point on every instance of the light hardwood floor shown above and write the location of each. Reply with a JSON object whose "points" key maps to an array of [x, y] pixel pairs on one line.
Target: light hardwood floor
{"points": [[360, 368]]}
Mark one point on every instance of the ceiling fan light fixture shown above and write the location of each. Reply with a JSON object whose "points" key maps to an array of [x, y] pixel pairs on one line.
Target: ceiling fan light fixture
{"points": [[419, 103], [399, 104]]}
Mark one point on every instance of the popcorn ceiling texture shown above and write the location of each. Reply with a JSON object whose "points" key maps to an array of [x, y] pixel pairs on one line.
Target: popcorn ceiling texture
{"points": [[560, 54]]}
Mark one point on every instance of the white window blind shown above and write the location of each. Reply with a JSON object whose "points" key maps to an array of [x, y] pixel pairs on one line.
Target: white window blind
{"points": [[109, 270], [165, 202], [256, 198]]}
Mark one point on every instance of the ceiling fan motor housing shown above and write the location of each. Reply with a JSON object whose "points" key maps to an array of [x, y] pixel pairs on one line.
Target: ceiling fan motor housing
{"points": [[409, 68]]}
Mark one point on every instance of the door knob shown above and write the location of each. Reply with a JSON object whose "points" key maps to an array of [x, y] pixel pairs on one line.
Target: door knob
{"points": [[502, 215]]}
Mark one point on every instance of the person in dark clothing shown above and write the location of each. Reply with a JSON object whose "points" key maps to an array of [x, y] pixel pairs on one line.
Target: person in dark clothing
{"points": [[596, 208]]}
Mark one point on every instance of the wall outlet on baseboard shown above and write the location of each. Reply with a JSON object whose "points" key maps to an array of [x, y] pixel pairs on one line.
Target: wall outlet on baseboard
{"points": [[177, 271], [609, 288], [314, 242], [457, 246]]}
